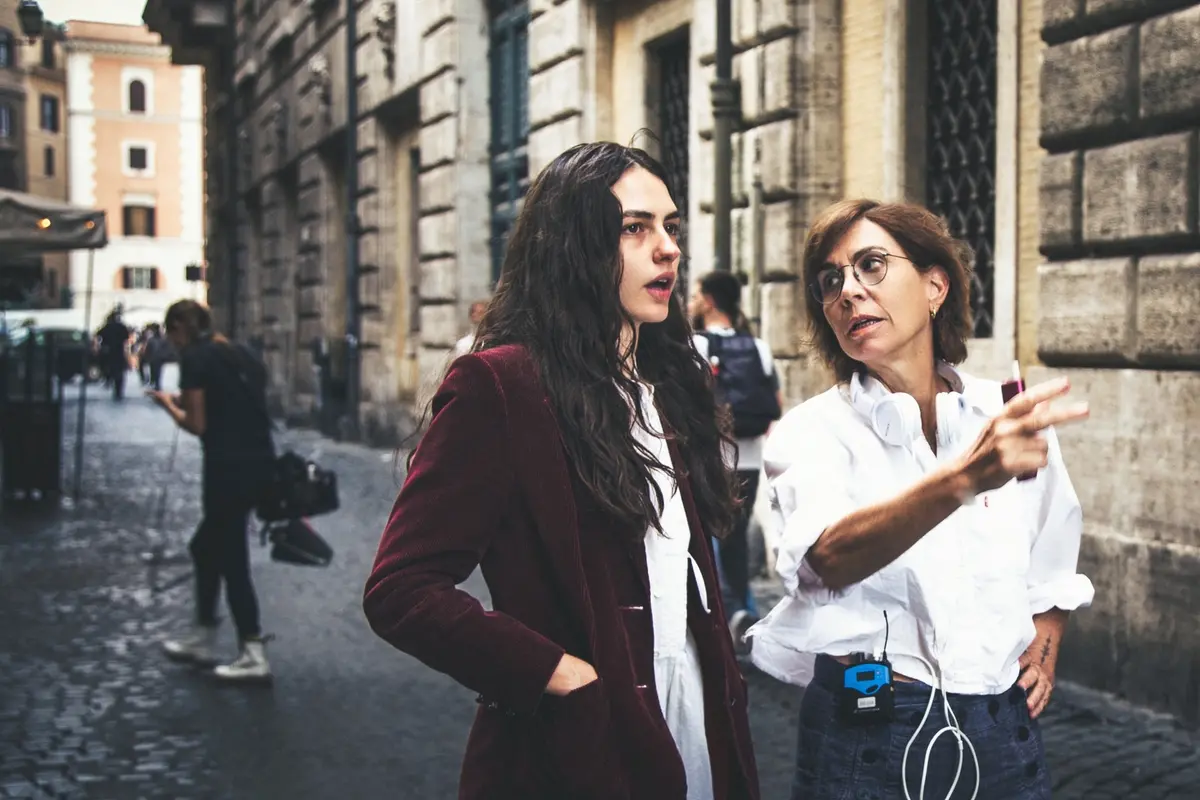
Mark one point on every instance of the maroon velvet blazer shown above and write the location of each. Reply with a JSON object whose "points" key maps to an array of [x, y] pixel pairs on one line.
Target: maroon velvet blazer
{"points": [[489, 485]]}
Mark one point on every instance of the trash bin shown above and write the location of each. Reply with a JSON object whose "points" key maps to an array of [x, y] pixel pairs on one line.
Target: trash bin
{"points": [[30, 417]]}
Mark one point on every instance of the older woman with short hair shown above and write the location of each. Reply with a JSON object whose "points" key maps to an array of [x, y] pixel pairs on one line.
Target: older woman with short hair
{"points": [[932, 587]]}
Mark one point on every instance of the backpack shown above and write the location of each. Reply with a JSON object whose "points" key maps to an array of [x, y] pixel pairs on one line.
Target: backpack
{"points": [[742, 384]]}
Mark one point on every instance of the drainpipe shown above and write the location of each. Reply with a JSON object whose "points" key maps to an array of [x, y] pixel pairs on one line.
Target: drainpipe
{"points": [[231, 168], [725, 111], [351, 423]]}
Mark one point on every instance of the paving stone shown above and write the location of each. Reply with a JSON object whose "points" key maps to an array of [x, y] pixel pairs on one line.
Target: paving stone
{"points": [[90, 710]]}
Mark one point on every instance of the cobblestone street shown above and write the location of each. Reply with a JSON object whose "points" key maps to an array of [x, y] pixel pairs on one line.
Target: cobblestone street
{"points": [[90, 709]]}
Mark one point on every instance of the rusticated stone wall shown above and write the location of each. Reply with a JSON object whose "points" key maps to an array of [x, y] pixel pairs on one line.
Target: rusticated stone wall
{"points": [[1119, 312]]}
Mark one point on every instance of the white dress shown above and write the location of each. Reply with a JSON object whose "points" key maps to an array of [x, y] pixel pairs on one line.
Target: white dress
{"points": [[677, 674]]}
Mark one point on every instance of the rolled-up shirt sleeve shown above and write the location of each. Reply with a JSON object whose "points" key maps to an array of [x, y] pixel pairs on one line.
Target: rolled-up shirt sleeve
{"points": [[1054, 580], [808, 471]]}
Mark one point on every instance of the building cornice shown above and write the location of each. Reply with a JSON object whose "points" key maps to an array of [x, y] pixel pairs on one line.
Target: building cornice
{"points": [[118, 48]]}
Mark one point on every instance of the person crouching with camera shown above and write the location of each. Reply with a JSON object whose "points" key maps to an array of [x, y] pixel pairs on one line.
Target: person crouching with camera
{"points": [[222, 401], [931, 531]]}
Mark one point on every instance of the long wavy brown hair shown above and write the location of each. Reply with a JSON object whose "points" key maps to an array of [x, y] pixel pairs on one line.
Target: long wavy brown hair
{"points": [[558, 295]]}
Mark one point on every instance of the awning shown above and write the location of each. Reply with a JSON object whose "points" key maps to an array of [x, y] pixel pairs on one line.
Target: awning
{"points": [[30, 224]]}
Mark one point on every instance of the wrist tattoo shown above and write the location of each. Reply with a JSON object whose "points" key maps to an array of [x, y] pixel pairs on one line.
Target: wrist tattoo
{"points": [[1046, 649]]}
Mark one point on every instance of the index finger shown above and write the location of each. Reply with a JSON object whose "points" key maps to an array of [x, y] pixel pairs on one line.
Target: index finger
{"points": [[1025, 402]]}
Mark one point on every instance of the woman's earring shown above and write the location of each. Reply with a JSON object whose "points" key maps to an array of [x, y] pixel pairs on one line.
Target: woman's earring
{"points": [[933, 313]]}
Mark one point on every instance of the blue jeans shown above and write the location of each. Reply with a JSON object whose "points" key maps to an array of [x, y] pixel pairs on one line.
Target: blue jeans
{"points": [[835, 760]]}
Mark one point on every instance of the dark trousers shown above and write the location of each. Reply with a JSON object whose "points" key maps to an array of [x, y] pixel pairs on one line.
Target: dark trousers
{"points": [[836, 759], [156, 374], [734, 551], [220, 551]]}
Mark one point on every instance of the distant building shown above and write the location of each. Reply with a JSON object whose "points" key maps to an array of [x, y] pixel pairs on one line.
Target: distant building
{"points": [[135, 149]]}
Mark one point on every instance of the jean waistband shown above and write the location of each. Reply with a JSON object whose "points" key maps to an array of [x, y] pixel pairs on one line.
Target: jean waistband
{"points": [[829, 672]]}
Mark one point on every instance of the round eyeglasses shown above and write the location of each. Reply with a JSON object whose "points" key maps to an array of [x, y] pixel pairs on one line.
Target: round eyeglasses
{"points": [[870, 267]]}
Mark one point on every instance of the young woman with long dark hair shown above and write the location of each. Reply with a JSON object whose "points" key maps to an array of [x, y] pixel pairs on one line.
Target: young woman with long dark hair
{"points": [[575, 457]]}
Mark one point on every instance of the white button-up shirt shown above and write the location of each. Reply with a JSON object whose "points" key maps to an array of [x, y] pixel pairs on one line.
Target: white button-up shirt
{"points": [[965, 594]]}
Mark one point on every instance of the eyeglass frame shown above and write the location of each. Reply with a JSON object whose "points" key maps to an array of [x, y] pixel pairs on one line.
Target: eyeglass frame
{"points": [[814, 287]]}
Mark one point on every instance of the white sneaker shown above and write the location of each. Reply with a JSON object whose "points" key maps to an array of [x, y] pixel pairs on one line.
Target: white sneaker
{"points": [[250, 666], [199, 647]]}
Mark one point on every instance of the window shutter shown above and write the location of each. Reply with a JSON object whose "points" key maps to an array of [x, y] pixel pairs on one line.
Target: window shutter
{"points": [[126, 278], [150, 229], [127, 220], [154, 277]]}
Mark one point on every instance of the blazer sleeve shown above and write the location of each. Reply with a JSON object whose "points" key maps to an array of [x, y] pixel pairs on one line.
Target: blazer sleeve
{"points": [[457, 490]]}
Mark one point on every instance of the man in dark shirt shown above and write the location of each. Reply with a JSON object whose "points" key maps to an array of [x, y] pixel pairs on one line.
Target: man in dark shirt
{"points": [[114, 339], [222, 400]]}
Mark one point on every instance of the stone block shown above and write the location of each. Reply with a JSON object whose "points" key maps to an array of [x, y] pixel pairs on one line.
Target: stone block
{"points": [[1139, 189], [439, 279], [538, 7], [743, 18], [776, 15], [748, 71], [370, 250], [701, 97], [1059, 200], [438, 234], [1134, 461], [775, 143], [783, 237], [556, 35], [545, 144], [439, 142], [556, 91], [784, 326], [370, 290], [1087, 84], [311, 300], [439, 50], [368, 170], [1084, 310], [1058, 12], [437, 188], [801, 379], [368, 134], [1169, 69], [1168, 309], [432, 364], [779, 76], [439, 324], [434, 13], [439, 97]]}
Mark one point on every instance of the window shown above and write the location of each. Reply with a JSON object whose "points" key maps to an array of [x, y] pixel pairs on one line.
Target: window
{"points": [[139, 278], [138, 220], [137, 97], [672, 92], [6, 48], [960, 156], [508, 65], [6, 121], [50, 113], [138, 158], [48, 60], [48, 162]]}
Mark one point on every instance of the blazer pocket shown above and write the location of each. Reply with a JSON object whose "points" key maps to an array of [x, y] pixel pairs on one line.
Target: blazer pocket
{"points": [[575, 738]]}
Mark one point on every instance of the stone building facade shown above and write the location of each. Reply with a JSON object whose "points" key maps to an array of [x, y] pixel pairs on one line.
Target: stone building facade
{"points": [[1056, 135]]}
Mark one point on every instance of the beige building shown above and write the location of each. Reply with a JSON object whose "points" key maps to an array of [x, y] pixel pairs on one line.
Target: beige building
{"points": [[135, 137], [32, 137], [46, 144], [1058, 139]]}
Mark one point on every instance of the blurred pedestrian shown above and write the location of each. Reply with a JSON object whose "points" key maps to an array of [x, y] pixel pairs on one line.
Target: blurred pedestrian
{"points": [[463, 345], [575, 458], [907, 544], [222, 400], [746, 381], [113, 344]]}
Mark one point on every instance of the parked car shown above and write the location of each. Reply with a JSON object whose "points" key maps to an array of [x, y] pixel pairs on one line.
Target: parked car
{"points": [[73, 351]]}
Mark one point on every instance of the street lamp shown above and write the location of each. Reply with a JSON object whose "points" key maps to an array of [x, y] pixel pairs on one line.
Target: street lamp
{"points": [[29, 14]]}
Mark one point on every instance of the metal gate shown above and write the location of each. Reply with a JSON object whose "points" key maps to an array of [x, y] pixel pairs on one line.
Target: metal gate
{"points": [[508, 63], [961, 154], [673, 87]]}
